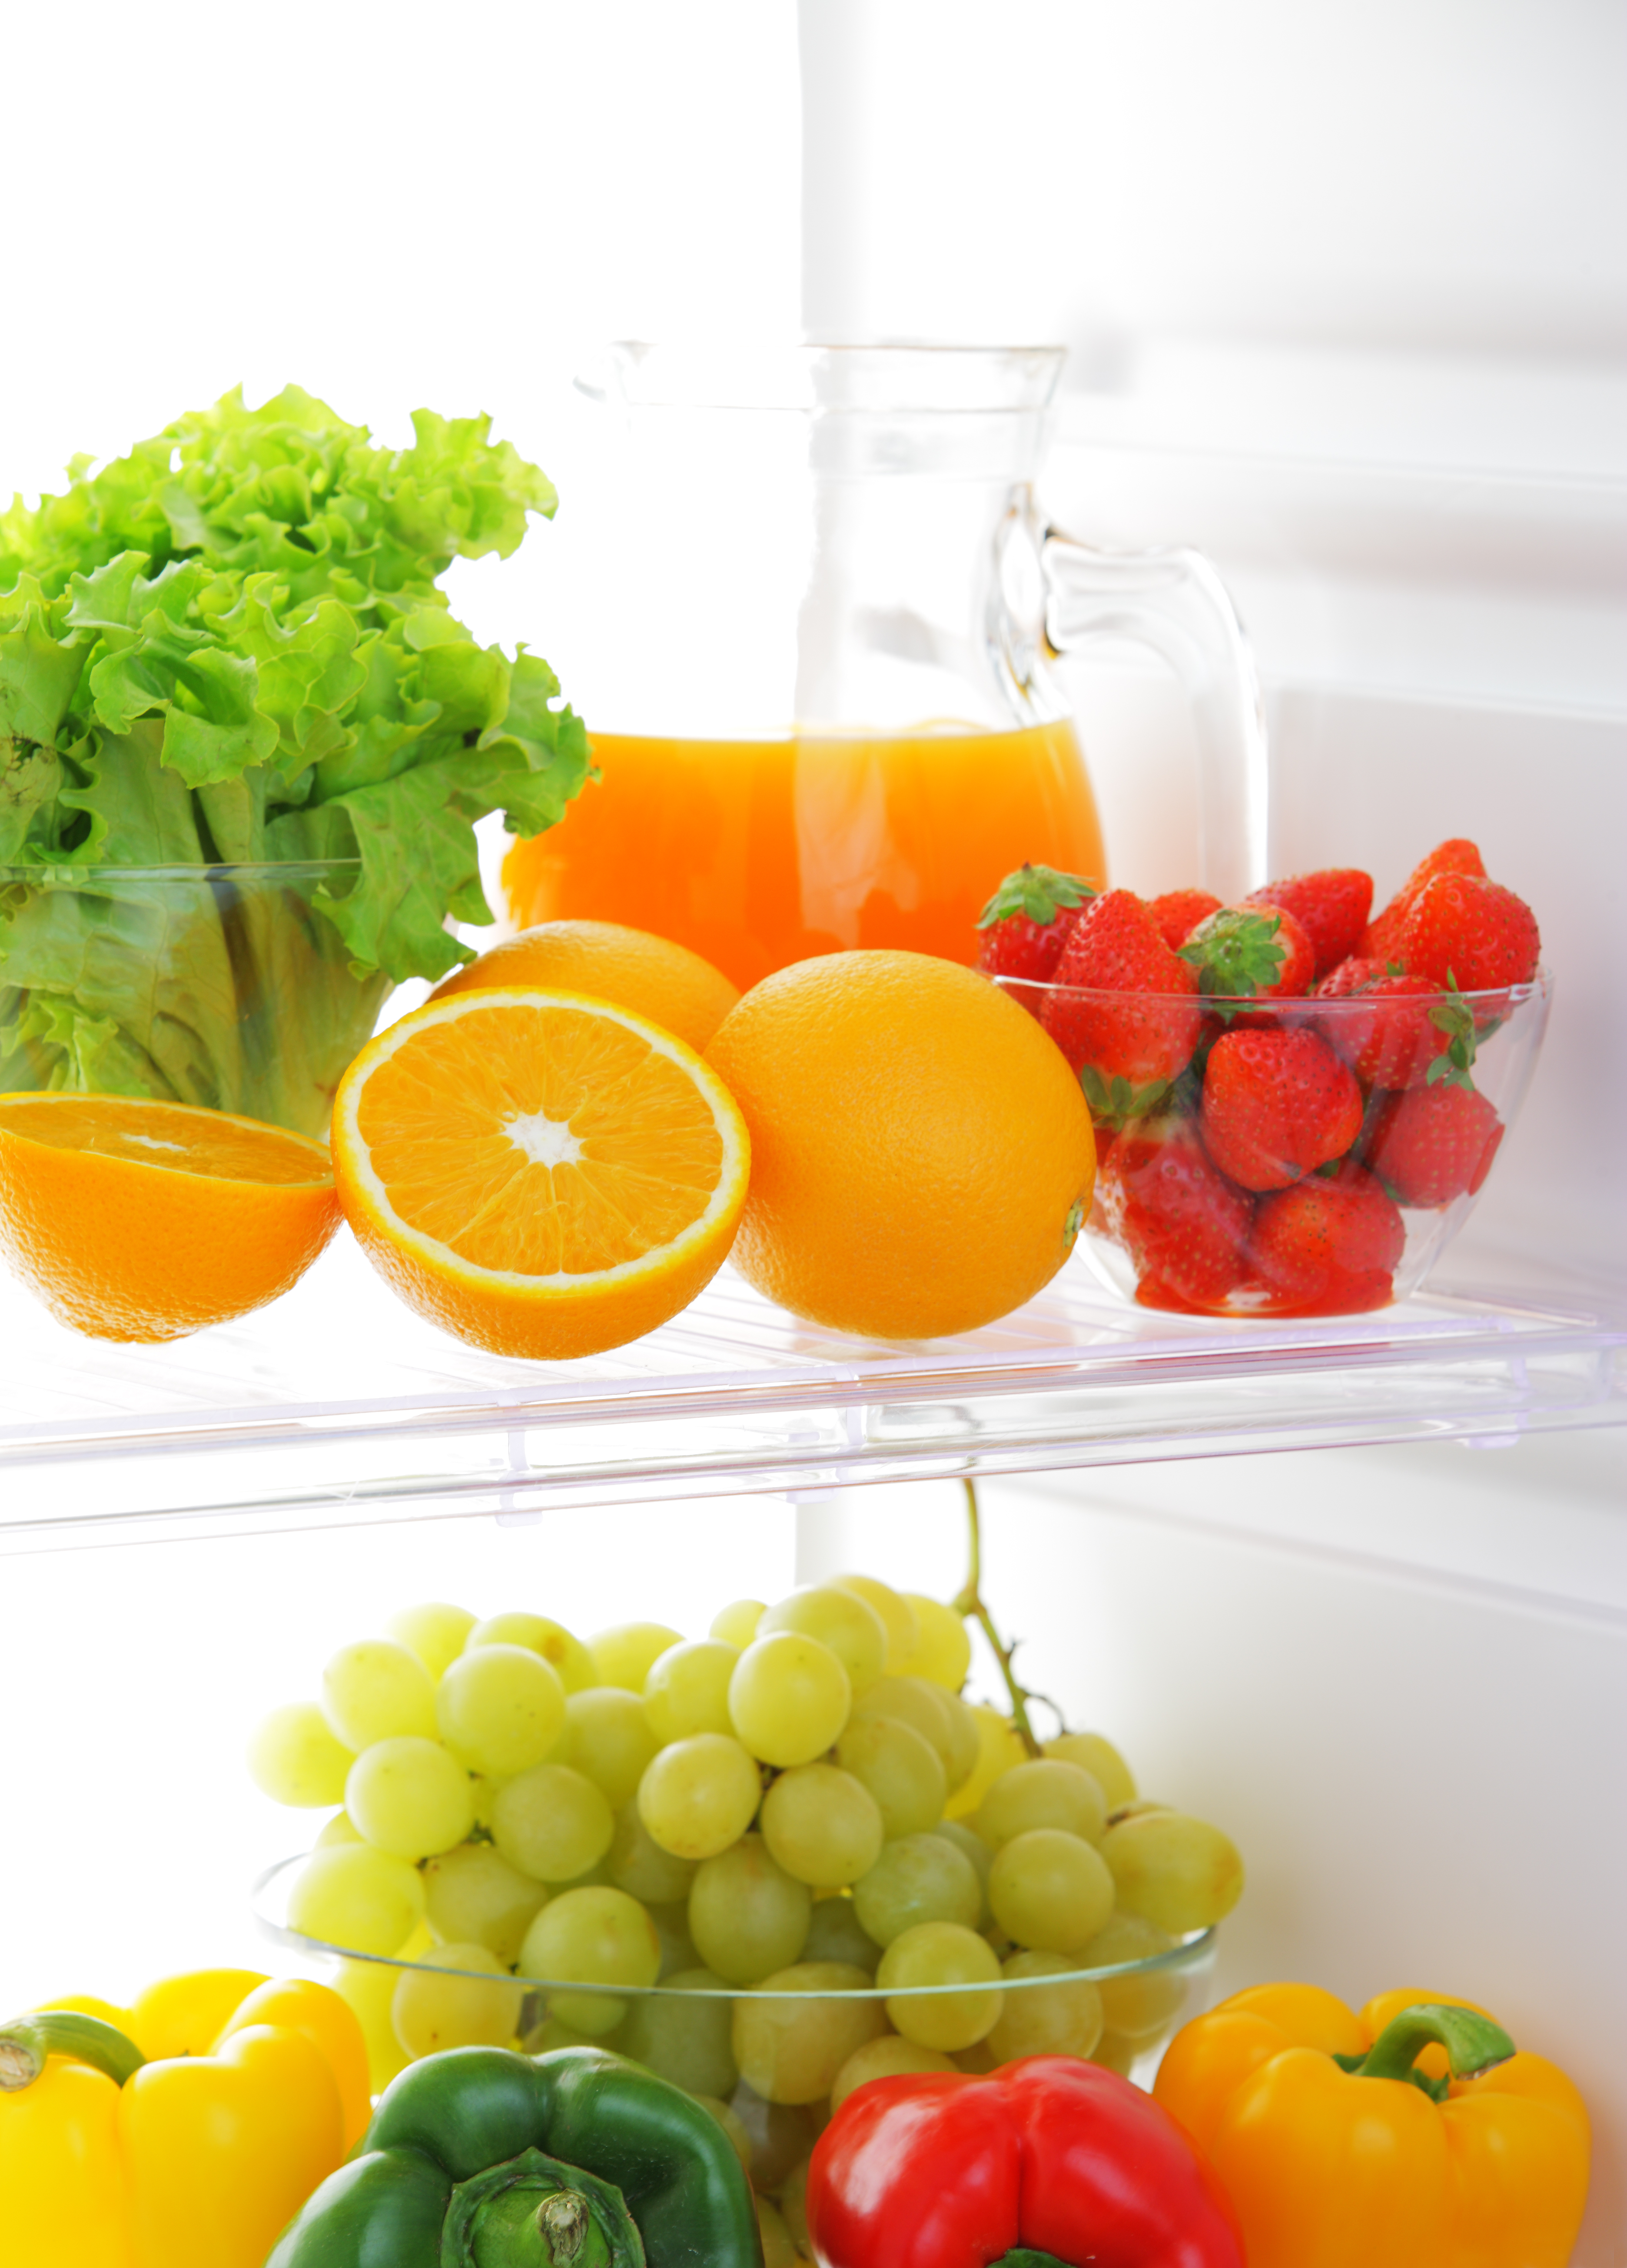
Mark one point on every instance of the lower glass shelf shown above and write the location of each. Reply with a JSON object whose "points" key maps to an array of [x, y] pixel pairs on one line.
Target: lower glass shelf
{"points": [[337, 1406]]}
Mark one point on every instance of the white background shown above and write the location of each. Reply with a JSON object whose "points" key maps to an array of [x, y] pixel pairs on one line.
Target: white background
{"points": [[1348, 295]]}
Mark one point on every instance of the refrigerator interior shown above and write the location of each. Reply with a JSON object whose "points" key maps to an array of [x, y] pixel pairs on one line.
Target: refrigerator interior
{"points": [[1345, 298]]}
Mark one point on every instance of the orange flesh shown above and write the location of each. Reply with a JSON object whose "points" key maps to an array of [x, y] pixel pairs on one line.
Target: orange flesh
{"points": [[170, 1136], [463, 1121], [757, 853]]}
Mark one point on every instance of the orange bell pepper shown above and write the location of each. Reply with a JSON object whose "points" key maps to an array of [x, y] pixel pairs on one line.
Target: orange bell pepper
{"points": [[1415, 2134], [112, 2159]]}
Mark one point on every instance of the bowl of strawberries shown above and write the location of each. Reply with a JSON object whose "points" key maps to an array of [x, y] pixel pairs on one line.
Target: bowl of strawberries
{"points": [[1297, 1102]]}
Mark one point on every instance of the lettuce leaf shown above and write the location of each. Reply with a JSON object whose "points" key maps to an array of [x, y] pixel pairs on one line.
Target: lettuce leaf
{"points": [[229, 647], [261, 585]]}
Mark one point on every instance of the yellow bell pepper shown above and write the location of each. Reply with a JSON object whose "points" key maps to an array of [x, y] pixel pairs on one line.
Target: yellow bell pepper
{"points": [[1413, 2135], [110, 2159]]}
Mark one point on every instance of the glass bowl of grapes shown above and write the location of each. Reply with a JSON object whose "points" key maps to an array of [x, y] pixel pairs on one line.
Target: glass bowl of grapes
{"points": [[769, 1864]]}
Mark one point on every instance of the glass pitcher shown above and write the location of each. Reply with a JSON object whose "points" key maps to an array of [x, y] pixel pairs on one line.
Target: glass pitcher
{"points": [[814, 665]]}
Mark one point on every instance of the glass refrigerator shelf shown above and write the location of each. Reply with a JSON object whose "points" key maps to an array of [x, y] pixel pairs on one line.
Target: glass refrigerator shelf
{"points": [[337, 1407]]}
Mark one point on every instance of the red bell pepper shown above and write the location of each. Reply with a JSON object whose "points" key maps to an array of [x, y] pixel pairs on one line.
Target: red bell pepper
{"points": [[1047, 2163]]}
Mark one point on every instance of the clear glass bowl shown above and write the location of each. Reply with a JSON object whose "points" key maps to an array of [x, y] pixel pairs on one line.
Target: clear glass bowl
{"points": [[1169, 1229], [1150, 1998], [221, 986]]}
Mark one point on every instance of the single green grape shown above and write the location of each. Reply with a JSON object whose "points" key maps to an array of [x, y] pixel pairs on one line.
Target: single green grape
{"points": [[294, 1759], [625, 1654], [700, 1795], [686, 2038], [920, 1878], [966, 1840], [340, 1829], [472, 2003], [608, 1740], [793, 2195], [636, 1863], [502, 1708], [1102, 1760], [352, 1895], [376, 1691], [563, 1652], [1178, 1872], [1048, 1792], [747, 1916], [937, 1952], [887, 2057], [790, 2042], [944, 1651], [783, 2134], [899, 1619], [687, 1690], [836, 1933], [551, 1822], [839, 1619], [434, 1633], [1050, 1891], [1060, 2019], [903, 1772], [1139, 2007], [409, 1797], [789, 1698], [736, 1624], [474, 1896], [822, 1825], [597, 1936]]}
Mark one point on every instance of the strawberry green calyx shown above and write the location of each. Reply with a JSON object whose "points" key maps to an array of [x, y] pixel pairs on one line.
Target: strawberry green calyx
{"points": [[1039, 893], [1236, 953], [1454, 1017], [1114, 1101]]}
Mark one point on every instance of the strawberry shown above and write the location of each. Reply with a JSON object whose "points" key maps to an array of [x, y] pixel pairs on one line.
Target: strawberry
{"points": [[1433, 1144], [1178, 913], [1329, 1244], [1331, 906], [1183, 1226], [1026, 922], [1131, 1028], [1406, 1031], [1457, 857], [1276, 1105], [1469, 933], [1241, 954]]}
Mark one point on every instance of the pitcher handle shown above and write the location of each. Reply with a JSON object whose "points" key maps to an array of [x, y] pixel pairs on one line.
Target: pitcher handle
{"points": [[1174, 603]]}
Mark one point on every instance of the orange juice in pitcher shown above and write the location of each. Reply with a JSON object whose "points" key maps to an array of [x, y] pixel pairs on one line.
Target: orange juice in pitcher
{"points": [[756, 853], [814, 659]]}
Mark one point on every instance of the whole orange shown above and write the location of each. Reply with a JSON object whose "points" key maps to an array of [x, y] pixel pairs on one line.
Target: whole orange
{"points": [[674, 987], [134, 1219], [922, 1156]]}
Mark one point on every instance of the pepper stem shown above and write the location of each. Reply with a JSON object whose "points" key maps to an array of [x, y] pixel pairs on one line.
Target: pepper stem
{"points": [[1473, 2043], [564, 2223], [968, 1604], [26, 2041]]}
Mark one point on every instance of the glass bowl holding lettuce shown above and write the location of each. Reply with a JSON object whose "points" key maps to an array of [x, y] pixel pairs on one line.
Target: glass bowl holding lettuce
{"points": [[243, 746]]}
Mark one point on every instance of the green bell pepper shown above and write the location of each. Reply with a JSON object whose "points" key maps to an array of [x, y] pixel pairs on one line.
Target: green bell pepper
{"points": [[482, 2158]]}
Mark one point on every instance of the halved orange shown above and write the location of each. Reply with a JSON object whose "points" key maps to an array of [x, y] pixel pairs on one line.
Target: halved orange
{"points": [[134, 1219], [540, 1173]]}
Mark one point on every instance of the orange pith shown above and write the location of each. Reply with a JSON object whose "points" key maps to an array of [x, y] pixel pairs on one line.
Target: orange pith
{"points": [[542, 1173], [134, 1220]]}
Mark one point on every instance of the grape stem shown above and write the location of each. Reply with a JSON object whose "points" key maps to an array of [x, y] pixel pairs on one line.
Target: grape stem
{"points": [[968, 1604]]}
